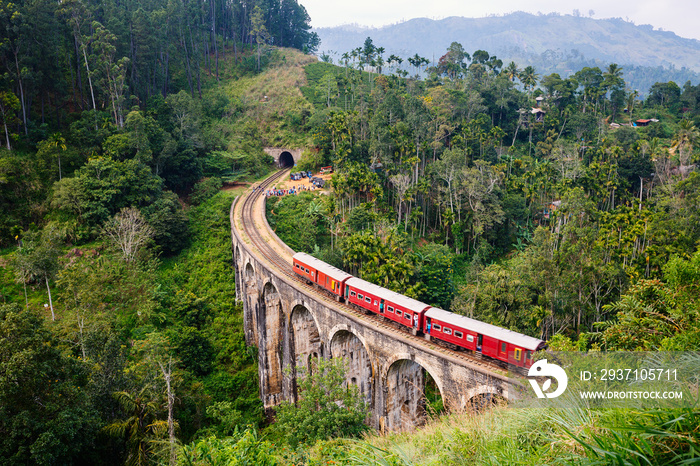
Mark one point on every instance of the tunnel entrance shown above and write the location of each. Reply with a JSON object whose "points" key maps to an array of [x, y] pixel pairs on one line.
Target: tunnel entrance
{"points": [[286, 160]]}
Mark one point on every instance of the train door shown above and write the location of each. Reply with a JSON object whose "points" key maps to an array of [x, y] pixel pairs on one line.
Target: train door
{"points": [[347, 291], [479, 341], [381, 306]]}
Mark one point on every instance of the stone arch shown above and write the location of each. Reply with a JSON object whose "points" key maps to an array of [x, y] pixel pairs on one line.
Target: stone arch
{"points": [[249, 272], [286, 159], [432, 370], [270, 323], [483, 397], [344, 343], [405, 393], [305, 339]]}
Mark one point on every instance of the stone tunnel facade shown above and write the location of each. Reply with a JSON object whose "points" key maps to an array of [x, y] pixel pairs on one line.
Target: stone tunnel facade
{"points": [[290, 326], [284, 158]]}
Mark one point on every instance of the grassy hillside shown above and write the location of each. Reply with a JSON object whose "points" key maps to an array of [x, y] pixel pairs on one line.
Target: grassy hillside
{"points": [[270, 108], [527, 436]]}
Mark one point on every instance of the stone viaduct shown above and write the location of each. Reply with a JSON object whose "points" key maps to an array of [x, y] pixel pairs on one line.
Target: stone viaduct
{"points": [[290, 325]]}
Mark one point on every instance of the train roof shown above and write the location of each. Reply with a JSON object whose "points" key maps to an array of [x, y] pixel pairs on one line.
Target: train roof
{"points": [[483, 328], [333, 272], [388, 295]]}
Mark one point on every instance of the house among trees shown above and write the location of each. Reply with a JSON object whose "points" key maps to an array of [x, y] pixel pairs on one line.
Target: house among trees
{"points": [[551, 207], [642, 122], [539, 114]]}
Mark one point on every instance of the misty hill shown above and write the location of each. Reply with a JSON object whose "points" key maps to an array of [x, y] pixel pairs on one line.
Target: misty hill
{"points": [[551, 43]]}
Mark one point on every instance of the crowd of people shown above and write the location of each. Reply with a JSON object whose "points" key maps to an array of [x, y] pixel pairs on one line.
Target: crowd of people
{"points": [[293, 190]]}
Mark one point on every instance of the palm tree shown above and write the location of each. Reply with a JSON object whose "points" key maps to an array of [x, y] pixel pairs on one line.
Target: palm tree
{"points": [[512, 71], [686, 137], [140, 428], [529, 78], [612, 78], [346, 60], [380, 59], [353, 54]]}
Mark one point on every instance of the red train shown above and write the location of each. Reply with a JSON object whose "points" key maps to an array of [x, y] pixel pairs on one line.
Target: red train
{"points": [[463, 332]]}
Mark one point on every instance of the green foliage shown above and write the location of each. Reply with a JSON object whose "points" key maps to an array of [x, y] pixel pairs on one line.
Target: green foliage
{"points": [[242, 449], [327, 406], [199, 291], [21, 195], [379, 258], [204, 189], [103, 186], [194, 351], [169, 222], [543, 224], [139, 428], [45, 414], [435, 273], [656, 315], [299, 220]]}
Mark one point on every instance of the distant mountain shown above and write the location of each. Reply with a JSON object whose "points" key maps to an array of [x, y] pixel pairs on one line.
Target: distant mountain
{"points": [[551, 43]]}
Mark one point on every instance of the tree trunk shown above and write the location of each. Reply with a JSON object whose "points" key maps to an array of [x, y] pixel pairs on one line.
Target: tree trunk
{"points": [[167, 375], [53, 316], [7, 139], [92, 92], [21, 95]]}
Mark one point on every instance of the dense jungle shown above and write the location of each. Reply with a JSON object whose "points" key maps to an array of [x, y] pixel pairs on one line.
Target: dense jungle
{"points": [[566, 208]]}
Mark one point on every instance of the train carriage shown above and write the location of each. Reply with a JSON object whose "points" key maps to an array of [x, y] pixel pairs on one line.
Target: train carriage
{"points": [[379, 300], [490, 340], [330, 278]]}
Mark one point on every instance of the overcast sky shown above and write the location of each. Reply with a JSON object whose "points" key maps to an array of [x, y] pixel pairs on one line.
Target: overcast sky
{"points": [[679, 16]]}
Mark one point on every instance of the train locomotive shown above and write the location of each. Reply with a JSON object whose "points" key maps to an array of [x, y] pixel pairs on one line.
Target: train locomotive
{"points": [[453, 329]]}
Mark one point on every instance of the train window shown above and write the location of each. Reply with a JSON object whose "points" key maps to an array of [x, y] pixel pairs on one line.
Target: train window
{"points": [[368, 299], [375, 303], [459, 334], [448, 331], [503, 347], [390, 309], [407, 316], [352, 293], [398, 313], [307, 270], [296, 265], [518, 353], [528, 355], [437, 327], [470, 338]]}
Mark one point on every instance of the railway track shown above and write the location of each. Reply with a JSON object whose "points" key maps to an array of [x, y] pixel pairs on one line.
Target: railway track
{"points": [[283, 267]]}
